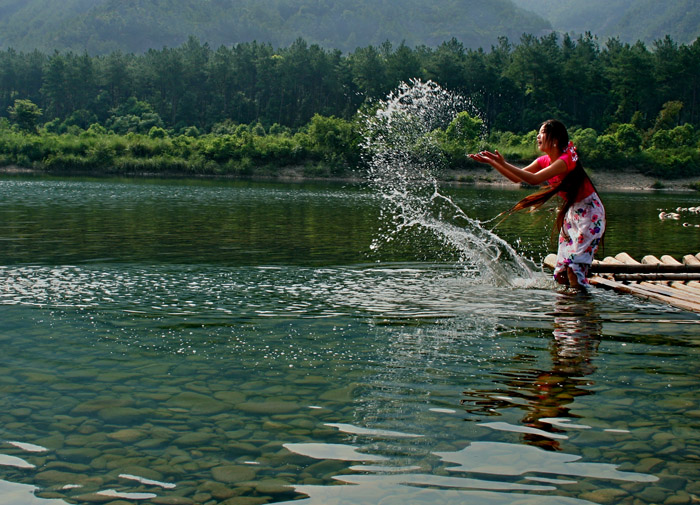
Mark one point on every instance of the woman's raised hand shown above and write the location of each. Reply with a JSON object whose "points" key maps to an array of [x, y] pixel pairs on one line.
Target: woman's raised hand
{"points": [[487, 157]]}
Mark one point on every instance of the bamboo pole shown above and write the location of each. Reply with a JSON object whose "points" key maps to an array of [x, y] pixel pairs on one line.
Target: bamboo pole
{"points": [[625, 264], [636, 290], [644, 268], [689, 259], [656, 276], [687, 287], [665, 280]]}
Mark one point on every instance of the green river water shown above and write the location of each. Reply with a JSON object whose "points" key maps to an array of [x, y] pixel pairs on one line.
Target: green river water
{"points": [[239, 343]]}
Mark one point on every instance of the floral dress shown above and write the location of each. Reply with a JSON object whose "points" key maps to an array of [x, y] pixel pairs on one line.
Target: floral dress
{"points": [[583, 228], [582, 231]]}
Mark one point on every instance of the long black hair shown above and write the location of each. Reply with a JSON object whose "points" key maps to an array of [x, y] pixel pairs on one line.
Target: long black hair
{"points": [[568, 186]]}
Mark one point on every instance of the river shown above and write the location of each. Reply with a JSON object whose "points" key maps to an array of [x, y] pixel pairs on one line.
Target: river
{"points": [[237, 343]]}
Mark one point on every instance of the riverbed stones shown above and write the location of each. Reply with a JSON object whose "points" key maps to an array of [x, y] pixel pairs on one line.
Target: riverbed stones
{"points": [[93, 498], [230, 474], [649, 465], [679, 498], [198, 403], [243, 448], [95, 405], [230, 396], [268, 407], [197, 438], [605, 496], [65, 465], [217, 489], [79, 455], [128, 435], [141, 471], [694, 487], [273, 486], [120, 415], [232, 418], [653, 494], [172, 500], [342, 395], [21, 412], [245, 500], [53, 441], [56, 477]]}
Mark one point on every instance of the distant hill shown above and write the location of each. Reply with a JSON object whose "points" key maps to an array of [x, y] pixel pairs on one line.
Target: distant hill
{"points": [[630, 20], [102, 26]]}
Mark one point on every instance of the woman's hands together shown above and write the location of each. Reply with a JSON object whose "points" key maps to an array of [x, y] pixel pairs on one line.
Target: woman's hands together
{"points": [[490, 158]]}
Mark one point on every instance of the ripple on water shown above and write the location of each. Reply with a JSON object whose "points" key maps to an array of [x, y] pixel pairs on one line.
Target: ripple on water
{"points": [[214, 378], [411, 291]]}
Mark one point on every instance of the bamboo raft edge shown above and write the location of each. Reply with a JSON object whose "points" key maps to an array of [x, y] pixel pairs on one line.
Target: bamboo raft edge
{"points": [[664, 279]]}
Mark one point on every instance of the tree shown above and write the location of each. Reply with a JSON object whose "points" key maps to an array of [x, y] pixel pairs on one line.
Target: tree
{"points": [[628, 138], [537, 70], [55, 92], [461, 136], [446, 65], [25, 114], [668, 116], [630, 70], [369, 72], [464, 128], [403, 65]]}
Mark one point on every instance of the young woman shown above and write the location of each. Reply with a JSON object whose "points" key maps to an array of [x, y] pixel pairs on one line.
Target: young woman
{"points": [[581, 217]]}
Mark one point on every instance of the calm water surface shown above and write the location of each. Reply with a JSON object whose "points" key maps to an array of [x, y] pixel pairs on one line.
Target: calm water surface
{"points": [[192, 342]]}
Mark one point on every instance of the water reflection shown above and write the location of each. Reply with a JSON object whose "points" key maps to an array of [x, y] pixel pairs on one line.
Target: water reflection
{"points": [[546, 394], [534, 470], [577, 334], [184, 380]]}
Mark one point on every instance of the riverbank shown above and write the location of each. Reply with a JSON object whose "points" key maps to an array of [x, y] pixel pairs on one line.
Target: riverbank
{"points": [[604, 181]]}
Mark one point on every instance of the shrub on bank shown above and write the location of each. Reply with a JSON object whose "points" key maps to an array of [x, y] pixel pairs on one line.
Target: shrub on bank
{"points": [[328, 146]]}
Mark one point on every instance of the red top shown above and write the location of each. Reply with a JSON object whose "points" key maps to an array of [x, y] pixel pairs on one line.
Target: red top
{"points": [[586, 189]]}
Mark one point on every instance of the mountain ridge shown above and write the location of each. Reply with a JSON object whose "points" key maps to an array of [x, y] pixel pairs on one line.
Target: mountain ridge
{"points": [[628, 20], [102, 26]]}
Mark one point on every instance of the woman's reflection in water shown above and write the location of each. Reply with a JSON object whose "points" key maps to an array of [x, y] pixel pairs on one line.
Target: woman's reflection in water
{"points": [[546, 395], [577, 332]]}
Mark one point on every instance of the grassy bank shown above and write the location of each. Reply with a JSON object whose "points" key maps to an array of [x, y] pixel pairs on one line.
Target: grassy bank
{"points": [[327, 147]]}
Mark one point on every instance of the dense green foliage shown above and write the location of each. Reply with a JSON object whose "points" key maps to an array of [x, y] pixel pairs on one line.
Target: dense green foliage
{"points": [[196, 109], [104, 26], [514, 85], [326, 147], [630, 20]]}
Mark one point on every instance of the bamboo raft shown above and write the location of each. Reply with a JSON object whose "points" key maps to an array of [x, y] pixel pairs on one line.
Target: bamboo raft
{"points": [[665, 280]]}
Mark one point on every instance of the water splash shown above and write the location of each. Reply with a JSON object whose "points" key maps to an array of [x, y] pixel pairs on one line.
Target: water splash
{"points": [[403, 156]]}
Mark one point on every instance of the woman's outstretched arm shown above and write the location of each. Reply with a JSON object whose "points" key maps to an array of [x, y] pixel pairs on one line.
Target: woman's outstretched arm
{"points": [[532, 174]]}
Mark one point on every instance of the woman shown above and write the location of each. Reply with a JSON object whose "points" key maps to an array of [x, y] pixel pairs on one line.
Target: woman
{"points": [[581, 217]]}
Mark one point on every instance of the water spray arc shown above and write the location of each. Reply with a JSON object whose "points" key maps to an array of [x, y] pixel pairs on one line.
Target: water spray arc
{"points": [[403, 158]]}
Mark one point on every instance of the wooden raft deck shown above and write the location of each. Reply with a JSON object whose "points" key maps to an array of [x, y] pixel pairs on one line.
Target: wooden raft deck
{"points": [[665, 280]]}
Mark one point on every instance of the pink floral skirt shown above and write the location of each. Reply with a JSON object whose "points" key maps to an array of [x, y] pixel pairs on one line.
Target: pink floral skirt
{"points": [[582, 231]]}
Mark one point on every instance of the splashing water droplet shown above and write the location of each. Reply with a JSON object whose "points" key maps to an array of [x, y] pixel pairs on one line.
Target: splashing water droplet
{"points": [[403, 157]]}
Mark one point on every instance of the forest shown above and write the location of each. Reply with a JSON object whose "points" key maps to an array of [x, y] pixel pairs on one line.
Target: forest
{"points": [[250, 107]]}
